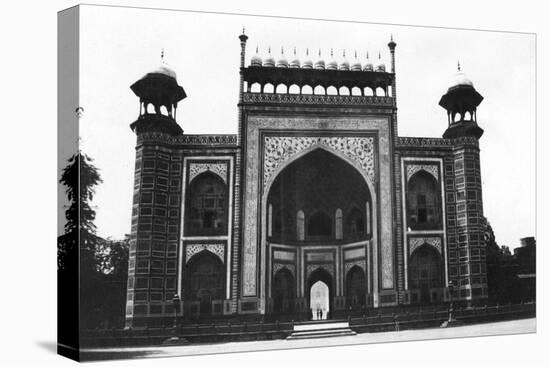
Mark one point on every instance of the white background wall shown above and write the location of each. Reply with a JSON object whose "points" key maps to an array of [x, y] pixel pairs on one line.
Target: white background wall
{"points": [[28, 184]]}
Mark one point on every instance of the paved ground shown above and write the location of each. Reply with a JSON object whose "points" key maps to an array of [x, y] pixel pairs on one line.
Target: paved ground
{"points": [[487, 329]]}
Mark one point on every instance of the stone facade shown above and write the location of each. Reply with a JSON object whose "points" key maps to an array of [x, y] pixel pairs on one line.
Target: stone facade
{"points": [[418, 229]]}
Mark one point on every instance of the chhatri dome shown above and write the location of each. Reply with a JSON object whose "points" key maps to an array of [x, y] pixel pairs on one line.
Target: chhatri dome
{"points": [[368, 64], [269, 61], [163, 68], [356, 65], [332, 64], [320, 63], [461, 79], [380, 66], [282, 62], [256, 60], [308, 63], [344, 65], [295, 63]]}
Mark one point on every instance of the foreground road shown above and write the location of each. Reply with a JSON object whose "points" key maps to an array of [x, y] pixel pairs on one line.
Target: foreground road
{"points": [[488, 329]]}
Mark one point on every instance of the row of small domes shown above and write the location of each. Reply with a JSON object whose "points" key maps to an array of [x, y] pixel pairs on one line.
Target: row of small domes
{"points": [[282, 62]]}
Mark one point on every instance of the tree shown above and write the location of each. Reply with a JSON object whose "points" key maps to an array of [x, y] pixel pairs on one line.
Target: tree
{"points": [[78, 283]]}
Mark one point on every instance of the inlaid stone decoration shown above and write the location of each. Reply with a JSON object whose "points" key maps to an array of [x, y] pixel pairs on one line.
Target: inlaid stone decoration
{"points": [[312, 267], [290, 267], [217, 249], [219, 169], [279, 149], [361, 263], [416, 242], [283, 255], [432, 169]]}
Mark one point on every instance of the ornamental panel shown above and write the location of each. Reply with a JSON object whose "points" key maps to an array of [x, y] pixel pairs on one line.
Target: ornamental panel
{"points": [[361, 263], [312, 267], [217, 249], [432, 169], [416, 242], [279, 149], [290, 267], [220, 169]]}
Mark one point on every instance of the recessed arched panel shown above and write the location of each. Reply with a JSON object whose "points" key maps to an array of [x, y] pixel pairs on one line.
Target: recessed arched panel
{"points": [[380, 92], [356, 91], [283, 291], [269, 88], [294, 89], [255, 88], [306, 89], [332, 91], [344, 91], [426, 272], [423, 202], [206, 206], [367, 91], [356, 287], [281, 89], [320, 90], [204, 279]]}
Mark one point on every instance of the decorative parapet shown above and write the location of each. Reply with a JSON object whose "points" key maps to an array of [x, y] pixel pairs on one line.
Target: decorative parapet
{"points": [[314, 99], [405, 142], [197, 140]]}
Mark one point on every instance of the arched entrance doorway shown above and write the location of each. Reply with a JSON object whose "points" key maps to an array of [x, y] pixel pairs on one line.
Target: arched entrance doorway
{"points": [[204, 282], [320, 291], [425, 272], [356, 288], [318, 199], [283, 293]]}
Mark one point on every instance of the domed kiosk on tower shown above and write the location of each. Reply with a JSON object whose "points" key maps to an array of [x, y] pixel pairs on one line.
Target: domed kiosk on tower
{"points": [[159, 94], [461, 102]]}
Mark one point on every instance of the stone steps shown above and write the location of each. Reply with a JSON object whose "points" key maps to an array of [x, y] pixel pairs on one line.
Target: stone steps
{"points": [[310, 330]]}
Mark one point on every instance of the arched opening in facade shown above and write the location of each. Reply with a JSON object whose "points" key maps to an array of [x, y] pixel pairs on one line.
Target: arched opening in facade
{"points": [[355, 224], [423, 202], [320, 292], [204, 279], [317, 185], [307, 89], [283, 292], [206, 206], [426, 274], [356, 288]]}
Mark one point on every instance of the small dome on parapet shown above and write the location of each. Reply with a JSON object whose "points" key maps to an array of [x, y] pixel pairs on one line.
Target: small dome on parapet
{"points": [[282, 62], [344, 65], [368, 64], [320, 63], [295, 63], [332, 64], [380, 66], [308, 63], [269, 61], [256, 60], [356, 66]]}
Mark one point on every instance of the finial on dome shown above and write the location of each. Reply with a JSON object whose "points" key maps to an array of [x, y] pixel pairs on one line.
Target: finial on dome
{"points": [[391, 37], [256, 48], [458, 65], [331, 55], [307, 51], [294, 50], [319, 52], [355, 53], [269, 50], [379, 56], [243, 30], [162, 56], [282, 51]]}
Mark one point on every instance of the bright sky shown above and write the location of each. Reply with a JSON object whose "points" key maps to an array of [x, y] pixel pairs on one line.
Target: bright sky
{"points": [[120, 45]]}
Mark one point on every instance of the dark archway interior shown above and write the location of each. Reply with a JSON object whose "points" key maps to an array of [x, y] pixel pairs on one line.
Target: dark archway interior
{"points": [[319, 183], [356, 287], [204, 280], [283, 292], [423, 202], [425, 271]]}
